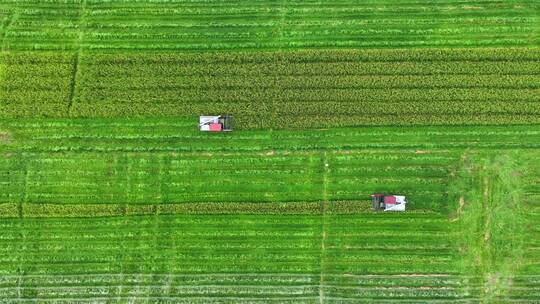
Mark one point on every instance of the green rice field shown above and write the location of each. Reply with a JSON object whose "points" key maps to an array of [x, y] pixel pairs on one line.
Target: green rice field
{"points": [[109, 193]]}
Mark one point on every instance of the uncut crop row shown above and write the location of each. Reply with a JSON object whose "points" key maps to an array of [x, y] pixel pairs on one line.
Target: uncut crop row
{"points": [[35, 84], [280, 90], [204, 259], [216, 25]]}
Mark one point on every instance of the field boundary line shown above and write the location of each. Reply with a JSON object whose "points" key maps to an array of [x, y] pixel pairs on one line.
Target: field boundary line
{"points": [[72, 84], [252, 274], [22, 261], [56, 299], [185, 286], [19, 283], [121, 276]]}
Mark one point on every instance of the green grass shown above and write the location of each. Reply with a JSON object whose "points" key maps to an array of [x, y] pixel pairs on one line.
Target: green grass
{"points": [[491, 214]]}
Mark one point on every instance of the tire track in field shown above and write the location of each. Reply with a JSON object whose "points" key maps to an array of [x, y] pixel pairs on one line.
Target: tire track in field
{"points": [[21, 275]]}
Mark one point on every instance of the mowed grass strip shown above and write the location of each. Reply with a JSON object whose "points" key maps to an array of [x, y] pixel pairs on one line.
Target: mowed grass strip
{"points": [[525, 284], [163, 178], [146, 166], [181, 135], [217, 257], [215, 25]]}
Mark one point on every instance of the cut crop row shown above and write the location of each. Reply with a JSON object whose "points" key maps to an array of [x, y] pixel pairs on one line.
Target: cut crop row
{"points": [[162, 178], [174, 257], [63, 162], [182, 136], [213, 25]]}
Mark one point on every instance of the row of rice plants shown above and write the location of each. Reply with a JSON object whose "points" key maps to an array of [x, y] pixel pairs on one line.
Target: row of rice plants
{"points": [[386, 257], [147, 258], [59, 166], [181, 135], [162, 178], [427, 56]]}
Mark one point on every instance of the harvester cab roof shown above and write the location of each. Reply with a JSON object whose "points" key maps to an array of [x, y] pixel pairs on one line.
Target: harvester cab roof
{"points": [[388, 202], [219, 123]]}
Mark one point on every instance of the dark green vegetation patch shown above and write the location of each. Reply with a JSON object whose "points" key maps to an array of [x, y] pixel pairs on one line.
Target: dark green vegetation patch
{"points": [[301, 89]]}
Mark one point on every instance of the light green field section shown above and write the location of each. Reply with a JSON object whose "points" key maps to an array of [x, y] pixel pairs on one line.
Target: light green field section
{"points": [[232, 25], [207, 259], [143, 166], [301, 89], [525, 283], [308, 258]]}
